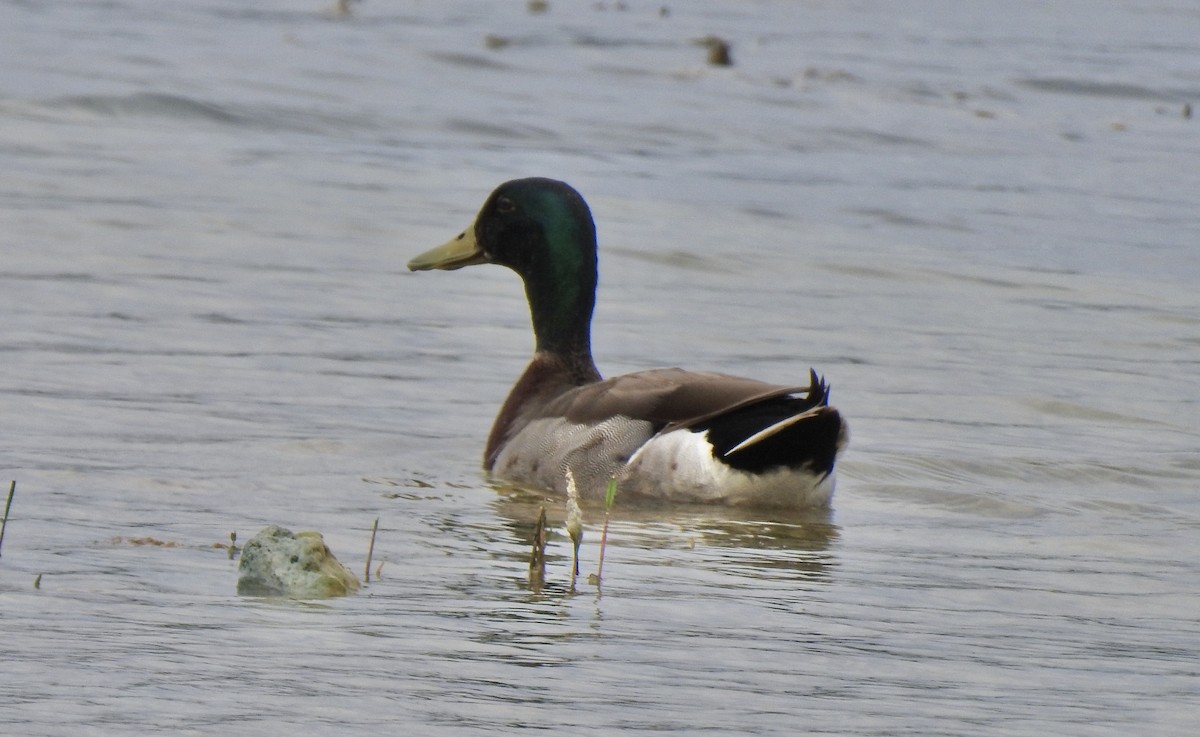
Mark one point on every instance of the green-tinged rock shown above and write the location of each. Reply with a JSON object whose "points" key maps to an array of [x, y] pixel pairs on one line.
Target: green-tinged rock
{"points": [[278, 562]]}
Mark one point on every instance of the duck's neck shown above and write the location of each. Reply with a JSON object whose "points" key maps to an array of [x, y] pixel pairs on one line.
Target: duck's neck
{"points": [[560, 302], [561, 289], [562, 325]]}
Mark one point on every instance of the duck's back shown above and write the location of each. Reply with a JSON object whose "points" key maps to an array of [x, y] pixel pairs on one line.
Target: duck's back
{"points": [[674, 435]]}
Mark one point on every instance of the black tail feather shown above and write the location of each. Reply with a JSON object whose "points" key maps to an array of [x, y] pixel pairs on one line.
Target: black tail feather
{"points": [[811, 442], [818, 389]]}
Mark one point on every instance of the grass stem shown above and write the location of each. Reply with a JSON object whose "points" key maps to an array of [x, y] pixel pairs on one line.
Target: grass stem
{"points": [[12, 488], [610, 496], [574, 525], [370, 552], [537, 555]]}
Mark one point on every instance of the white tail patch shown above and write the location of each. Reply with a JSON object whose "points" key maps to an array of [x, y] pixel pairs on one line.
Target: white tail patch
{"points": [[679, 466]]}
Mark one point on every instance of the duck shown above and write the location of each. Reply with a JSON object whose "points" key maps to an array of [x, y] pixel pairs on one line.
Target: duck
{"points": [[667, 434]]}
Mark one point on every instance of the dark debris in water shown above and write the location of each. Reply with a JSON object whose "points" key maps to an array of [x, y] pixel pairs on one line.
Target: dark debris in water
{"points": [[718, 51]]}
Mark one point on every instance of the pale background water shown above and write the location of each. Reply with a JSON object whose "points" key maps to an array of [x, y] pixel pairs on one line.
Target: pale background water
{"points": [[978, 220]]}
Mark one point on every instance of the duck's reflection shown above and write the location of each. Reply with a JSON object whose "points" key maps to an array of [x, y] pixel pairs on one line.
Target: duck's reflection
{"points": [[788, 544]]}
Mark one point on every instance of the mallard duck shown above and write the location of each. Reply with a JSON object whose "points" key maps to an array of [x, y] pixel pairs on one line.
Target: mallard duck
{"points": [[665, 434]]}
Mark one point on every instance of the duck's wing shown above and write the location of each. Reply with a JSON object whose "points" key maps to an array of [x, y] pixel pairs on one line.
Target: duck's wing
{"points": [[673, 398]]}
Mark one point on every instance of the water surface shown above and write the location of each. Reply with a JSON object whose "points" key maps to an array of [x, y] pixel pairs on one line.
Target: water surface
{"points": [[980, 228]]}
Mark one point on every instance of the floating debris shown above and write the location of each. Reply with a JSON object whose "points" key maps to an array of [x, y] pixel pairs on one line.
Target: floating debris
{"points": [[153, 542], [278, 562], [492, 41], [718, 51], [342, 9]]}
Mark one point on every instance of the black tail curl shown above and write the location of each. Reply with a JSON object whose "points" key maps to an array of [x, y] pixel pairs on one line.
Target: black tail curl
{"points": [[811, 442]]}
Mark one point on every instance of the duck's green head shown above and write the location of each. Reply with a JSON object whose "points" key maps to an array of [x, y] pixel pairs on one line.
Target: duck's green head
{"points": [[543, 230]]}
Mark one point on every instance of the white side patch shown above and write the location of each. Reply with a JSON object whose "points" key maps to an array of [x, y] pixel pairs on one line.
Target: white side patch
{"points": [[679, 466]]}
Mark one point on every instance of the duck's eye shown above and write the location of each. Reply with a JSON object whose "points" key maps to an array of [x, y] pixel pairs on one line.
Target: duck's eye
{"points": [[505, 206]]}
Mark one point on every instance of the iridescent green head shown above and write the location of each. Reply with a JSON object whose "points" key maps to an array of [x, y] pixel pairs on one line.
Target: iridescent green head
{"points": [[541, 229]]}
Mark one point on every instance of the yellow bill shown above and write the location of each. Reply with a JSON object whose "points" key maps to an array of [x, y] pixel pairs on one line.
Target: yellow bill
{"points": [[454, 254]]}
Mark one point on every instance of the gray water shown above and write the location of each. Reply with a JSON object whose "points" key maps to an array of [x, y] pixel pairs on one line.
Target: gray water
{"points": [[977, 220]]}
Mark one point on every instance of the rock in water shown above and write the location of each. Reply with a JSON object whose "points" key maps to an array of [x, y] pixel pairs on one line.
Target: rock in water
{"points": [[278, 562]]}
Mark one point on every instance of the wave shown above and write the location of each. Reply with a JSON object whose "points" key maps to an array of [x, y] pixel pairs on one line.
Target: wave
{"points": [[153, 104]]}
